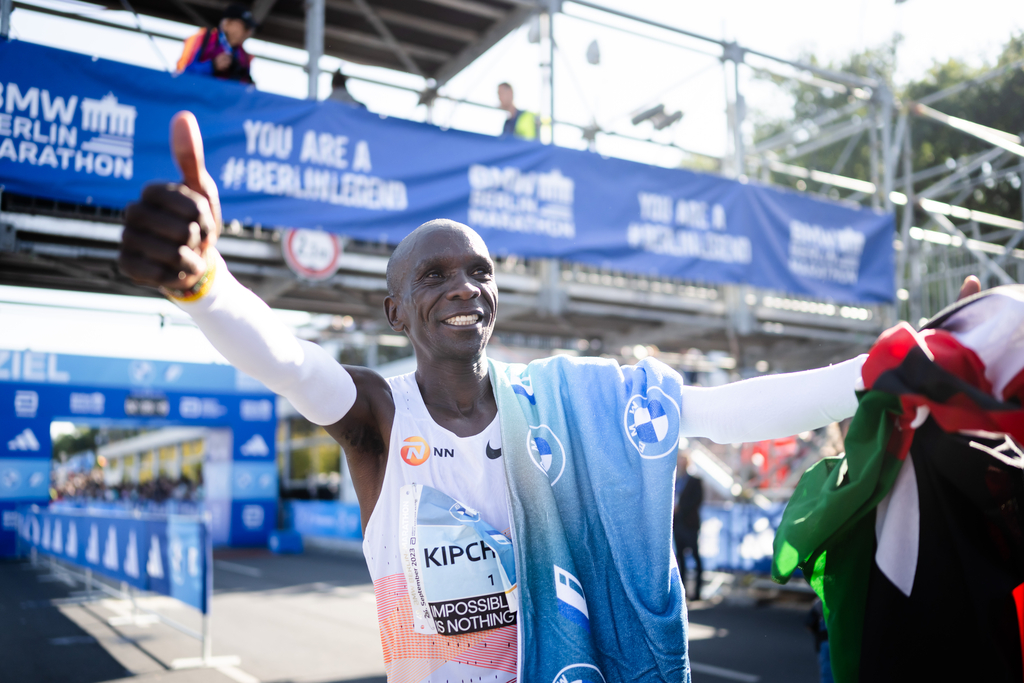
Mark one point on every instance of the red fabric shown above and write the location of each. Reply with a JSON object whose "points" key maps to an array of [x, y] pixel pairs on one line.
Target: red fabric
{"points": [[1018, 598], [892, 347], [957, 413]]}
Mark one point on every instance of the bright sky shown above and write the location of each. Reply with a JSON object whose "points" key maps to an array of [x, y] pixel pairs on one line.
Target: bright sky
{"points": [[635, 72]]}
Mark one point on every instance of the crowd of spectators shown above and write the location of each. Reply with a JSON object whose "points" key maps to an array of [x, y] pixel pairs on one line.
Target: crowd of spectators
{"points": [[90, 486]]}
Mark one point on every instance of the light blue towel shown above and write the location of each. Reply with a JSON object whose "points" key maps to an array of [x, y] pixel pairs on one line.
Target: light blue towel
{"points": [[590, 455]]}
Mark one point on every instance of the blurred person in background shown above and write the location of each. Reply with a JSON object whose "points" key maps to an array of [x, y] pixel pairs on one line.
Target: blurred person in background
{"points": [[340, 93], [520, 124], [218, 52], [815, 623], [686, 520]]}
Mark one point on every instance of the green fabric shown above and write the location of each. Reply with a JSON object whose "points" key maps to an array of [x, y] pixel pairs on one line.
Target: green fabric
{"points": [[828, 532]]}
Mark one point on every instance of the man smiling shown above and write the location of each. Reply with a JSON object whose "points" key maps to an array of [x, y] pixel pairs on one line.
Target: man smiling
{"points": [[465, 461]]}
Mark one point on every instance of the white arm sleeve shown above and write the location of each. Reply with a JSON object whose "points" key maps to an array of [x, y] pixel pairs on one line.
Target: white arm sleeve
{"points": [[773, 406], [244, 329]]}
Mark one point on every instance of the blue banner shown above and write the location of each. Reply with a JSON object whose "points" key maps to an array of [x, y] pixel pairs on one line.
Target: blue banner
{"points": [[164, 554], [93, 131]]}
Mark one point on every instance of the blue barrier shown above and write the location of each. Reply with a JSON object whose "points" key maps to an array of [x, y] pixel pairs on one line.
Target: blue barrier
{"points": [[733, 537], [738, 537], [171, 555], [325, 518], [285, 542]]}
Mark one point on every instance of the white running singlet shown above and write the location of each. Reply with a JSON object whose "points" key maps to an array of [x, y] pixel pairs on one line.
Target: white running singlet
{"points": [[470, 470]]}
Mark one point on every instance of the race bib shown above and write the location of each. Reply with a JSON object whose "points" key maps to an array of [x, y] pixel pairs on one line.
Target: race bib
{"points": [[460, 571]]}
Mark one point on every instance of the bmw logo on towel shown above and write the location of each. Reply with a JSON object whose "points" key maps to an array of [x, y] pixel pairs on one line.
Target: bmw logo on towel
{"points": [[579, 673], [546, 451], [652, 423]]}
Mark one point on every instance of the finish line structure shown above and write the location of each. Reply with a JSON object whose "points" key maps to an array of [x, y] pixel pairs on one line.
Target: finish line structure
{"points": [[239, 470]]}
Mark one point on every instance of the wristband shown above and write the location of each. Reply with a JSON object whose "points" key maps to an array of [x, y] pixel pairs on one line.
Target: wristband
{"points": [[197, 291]]}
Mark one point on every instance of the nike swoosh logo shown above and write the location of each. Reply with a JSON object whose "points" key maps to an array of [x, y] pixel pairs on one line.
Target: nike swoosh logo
{"points": [[492, 453]]}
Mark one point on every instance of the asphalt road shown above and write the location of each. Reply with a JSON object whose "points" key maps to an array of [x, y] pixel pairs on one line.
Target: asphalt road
{"points": [[307, 619]]}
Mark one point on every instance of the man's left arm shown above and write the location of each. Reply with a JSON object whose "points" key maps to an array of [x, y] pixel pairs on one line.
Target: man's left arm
{"points": [[773, 406]]}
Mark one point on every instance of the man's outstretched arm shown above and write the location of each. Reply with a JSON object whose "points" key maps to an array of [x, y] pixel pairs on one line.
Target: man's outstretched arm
{"points": [[246, 332], [773, 406], [168, 242]]}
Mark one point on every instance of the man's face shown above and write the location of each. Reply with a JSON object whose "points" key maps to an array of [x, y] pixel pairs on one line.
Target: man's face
{"points": [[235, 31], [505, 97], [447, 298]]}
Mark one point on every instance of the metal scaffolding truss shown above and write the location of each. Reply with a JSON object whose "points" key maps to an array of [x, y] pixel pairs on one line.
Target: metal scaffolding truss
{"points": [[953, 241], [562, 301]]}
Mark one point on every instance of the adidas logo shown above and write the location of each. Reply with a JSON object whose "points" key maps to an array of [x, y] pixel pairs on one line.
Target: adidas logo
{"points": [[255, 447], [92, 547], [131, 556], [71, 544], [154, 563], [26, 441], [110, 550]]}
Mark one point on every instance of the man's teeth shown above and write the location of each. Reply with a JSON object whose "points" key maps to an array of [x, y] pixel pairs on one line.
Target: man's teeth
{"points": [[463, 319]]}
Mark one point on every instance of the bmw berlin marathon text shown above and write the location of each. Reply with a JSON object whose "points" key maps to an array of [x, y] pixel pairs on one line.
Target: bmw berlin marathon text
{"points": [[93, 136]]}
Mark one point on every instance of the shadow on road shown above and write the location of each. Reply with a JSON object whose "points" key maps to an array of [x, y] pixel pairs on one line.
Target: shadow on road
{"points": [[255, 570], [43, 645]]}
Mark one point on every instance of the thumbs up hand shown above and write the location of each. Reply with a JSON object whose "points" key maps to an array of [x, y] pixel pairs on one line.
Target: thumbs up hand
{"points": [[170, 231]]}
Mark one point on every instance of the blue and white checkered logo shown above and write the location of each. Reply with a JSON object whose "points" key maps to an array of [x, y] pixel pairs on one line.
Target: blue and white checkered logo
{"points": [[546, 451], [579, 673], [652, 423]]}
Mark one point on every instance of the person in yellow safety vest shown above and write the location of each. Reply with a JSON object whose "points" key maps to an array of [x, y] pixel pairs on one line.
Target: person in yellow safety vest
{"points": [[520, 124]]}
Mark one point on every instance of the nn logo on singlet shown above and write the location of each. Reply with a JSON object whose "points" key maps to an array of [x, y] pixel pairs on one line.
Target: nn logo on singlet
{"points": [[415, 451]]}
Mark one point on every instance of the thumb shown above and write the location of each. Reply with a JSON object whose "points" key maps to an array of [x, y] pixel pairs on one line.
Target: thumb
{"points": [[187, 148], [970, 287]]}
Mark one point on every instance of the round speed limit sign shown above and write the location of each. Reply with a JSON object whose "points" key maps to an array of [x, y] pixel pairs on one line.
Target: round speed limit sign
{"points": [[312, 254]]}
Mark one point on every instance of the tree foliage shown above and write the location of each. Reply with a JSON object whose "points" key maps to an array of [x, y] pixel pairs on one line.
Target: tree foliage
{"points": [[996, 103], [82, 439]]}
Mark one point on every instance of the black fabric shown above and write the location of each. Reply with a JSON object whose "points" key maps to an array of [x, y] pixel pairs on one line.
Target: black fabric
{"points": [[960, 621], [918, 374]]}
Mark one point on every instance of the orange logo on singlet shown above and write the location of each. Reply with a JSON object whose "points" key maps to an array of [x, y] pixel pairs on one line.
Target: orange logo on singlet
{"points": [[415, 450]]}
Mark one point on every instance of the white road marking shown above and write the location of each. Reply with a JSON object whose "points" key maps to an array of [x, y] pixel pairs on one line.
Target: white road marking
{"points": [[234, 568], [724, 673], [237, 674]]}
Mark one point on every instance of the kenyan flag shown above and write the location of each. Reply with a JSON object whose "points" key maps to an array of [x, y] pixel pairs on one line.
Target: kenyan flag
{"points": [[914, 540]]}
